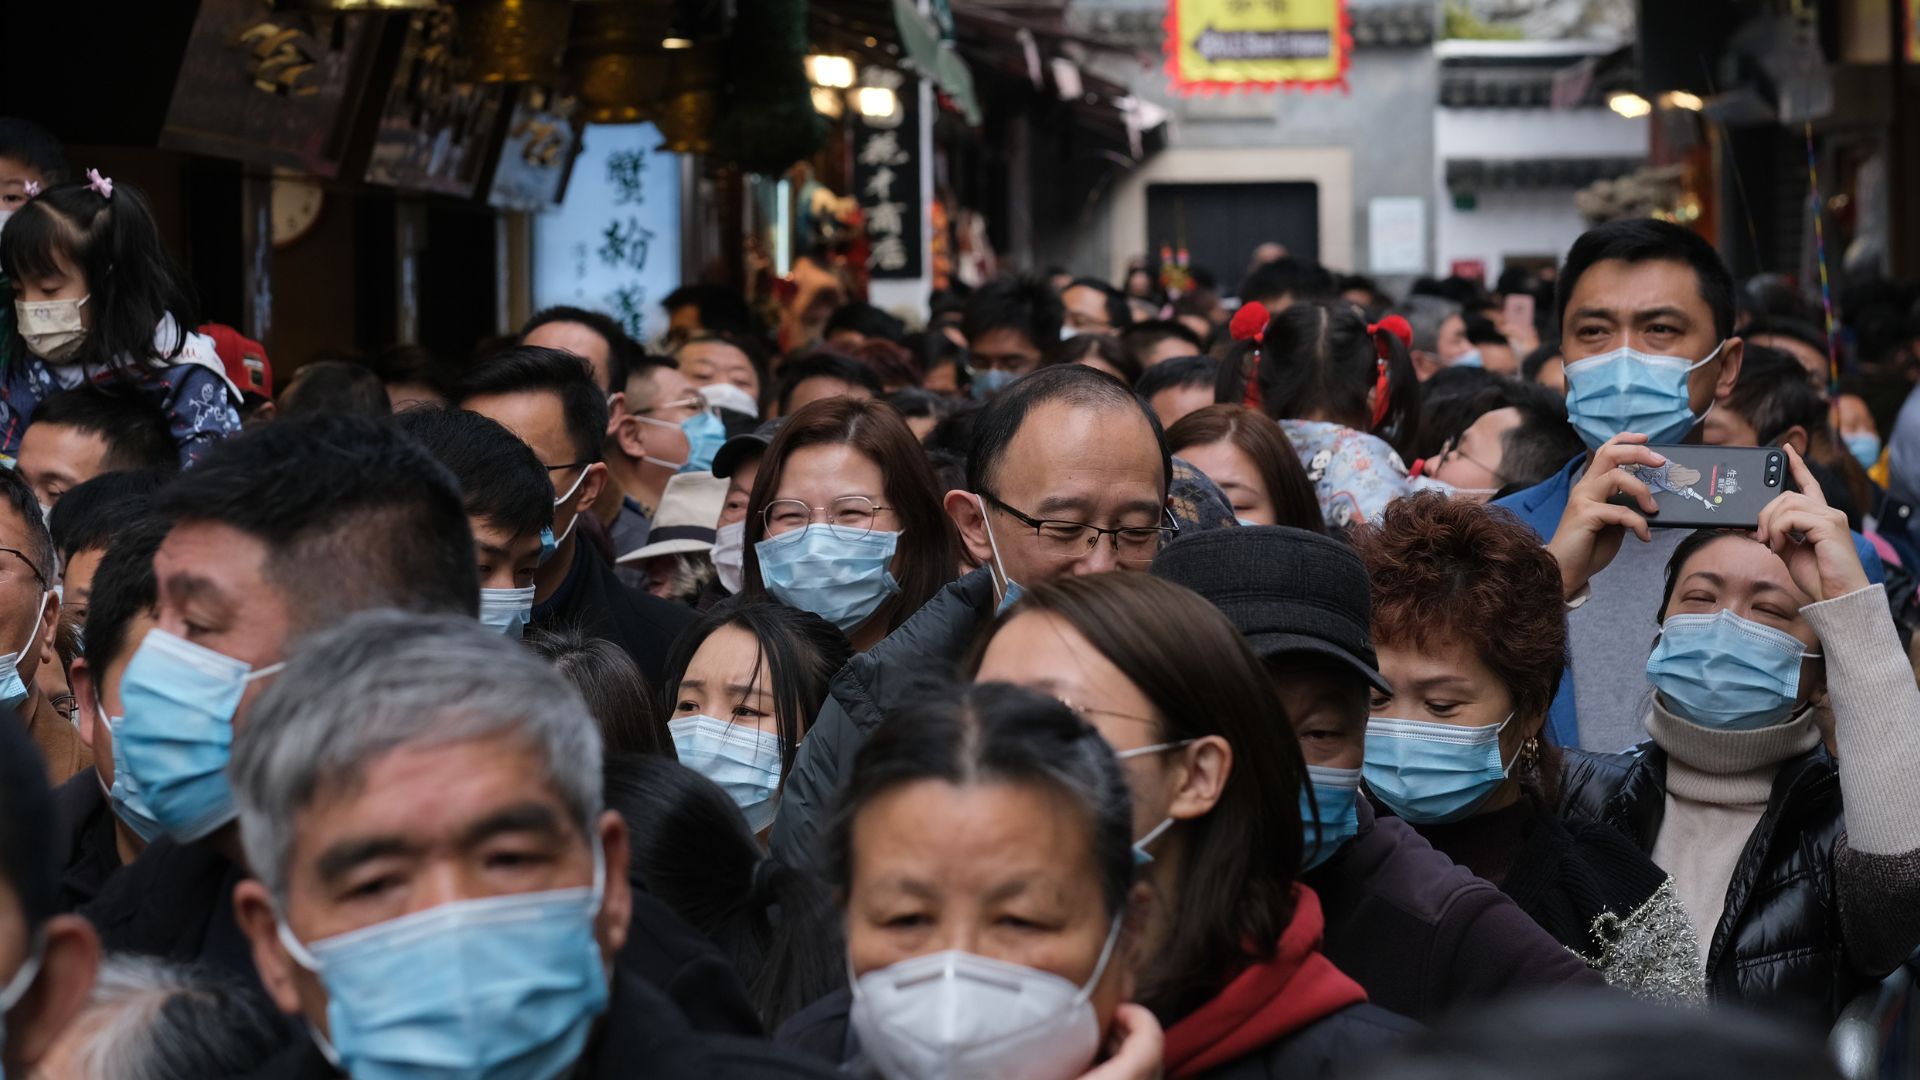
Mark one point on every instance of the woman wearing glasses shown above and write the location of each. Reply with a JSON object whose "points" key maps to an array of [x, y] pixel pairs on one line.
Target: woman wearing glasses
{"points": [[845, 520], [1229, 957]]}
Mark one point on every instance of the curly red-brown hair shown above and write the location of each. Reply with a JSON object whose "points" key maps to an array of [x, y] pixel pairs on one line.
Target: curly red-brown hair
{"points": [[1448, 570]]}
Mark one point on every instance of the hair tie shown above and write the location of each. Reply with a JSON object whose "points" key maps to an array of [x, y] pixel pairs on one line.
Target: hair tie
{"points": [[1397, 326], [1249, 323], [101, 184], [32, 187], [763, 874]]}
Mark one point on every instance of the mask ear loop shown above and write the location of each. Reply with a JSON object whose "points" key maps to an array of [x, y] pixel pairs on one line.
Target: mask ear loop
{"points": [[1004, 582]]}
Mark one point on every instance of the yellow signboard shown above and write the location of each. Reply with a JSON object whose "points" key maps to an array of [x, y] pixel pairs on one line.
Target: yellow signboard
{"points": [[1218, 45]]}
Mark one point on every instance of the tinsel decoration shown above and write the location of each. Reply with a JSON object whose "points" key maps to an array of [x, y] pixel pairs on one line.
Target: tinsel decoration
{"points": [[767, 120]]}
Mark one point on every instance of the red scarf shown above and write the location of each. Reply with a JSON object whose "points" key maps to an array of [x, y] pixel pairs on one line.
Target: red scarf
{"points": [[1265, 1002]]}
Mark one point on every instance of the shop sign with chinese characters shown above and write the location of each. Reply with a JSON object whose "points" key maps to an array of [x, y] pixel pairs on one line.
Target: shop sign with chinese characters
{"points": [[886, 180], [1223, 45], [614, 243]]}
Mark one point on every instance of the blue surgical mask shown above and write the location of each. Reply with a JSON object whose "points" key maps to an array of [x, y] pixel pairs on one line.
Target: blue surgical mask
{"points": [[1470, 358], [1725, 672], [1337, 791], [844, 581], [1431, 773], [548, 545], [705, 436], [742, 759], [1010, 590], [178, 730], [507, 610], [124, 795], [1865, 448], [990, 382], [1628, 390], [13, 688], [487, 989], [1244, 523]]}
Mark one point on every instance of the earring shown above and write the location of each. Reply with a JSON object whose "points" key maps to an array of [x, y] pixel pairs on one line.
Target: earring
{"points": [[1530, 755]]}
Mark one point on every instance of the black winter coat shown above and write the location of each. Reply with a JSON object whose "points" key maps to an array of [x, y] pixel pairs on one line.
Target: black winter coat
{"points": [[1779, 945]]}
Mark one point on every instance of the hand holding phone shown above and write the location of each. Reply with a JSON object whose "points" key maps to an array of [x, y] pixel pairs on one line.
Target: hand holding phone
{"points": [[1812, 538], [1592, 527]]}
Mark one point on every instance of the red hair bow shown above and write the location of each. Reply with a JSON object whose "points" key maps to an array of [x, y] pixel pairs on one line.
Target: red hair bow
{"points": [[1250, 324], [1397, 326], [1400, 328]]}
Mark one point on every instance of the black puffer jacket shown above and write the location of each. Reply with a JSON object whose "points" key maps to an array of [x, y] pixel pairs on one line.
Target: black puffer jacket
{"points": [[1779, 945]]}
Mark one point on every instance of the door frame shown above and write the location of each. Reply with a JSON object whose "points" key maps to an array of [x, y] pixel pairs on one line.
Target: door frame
{"points": [[1329, 168]]}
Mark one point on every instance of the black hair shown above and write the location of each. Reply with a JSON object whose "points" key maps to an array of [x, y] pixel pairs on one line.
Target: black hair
{"points": [[124, 588], [1773, 394], [613, 687], [1318, 358], [1539, 358], [802, 653], [92, 514], [1140, 339], [28, 864], [934, 349], [133, 428], [1450, 401], [1119, 315], [530, 369], [913, 401], [501, 482], [822, 364], [620, 347], [992, 733], [1803, 332], [35, 147], [1179, 372], [412, 364], [995, 426], [720, 307], [353, 512], [866, 320], [1481, 331], [1541, 446], [954, 434], [1637, 240], [133, 284], [39, 543], [1102, 347], [1022, 304], [1287, 277], [337, 387], [694, 851]]}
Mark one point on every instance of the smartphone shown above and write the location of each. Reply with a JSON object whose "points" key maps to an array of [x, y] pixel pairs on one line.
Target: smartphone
{"points": [[1712, 487], [1516, 315]]}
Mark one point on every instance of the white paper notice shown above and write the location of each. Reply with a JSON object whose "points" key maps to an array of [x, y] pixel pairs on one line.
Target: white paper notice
{"points": [[1397, 236]]}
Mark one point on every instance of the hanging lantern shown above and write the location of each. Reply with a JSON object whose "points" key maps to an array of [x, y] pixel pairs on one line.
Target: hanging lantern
{"points": [[690, 101], [355, 5], [615, 57], [513, 40]]}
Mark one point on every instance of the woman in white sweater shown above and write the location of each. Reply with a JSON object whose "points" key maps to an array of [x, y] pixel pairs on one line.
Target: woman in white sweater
{"points": [[1800, 873]]}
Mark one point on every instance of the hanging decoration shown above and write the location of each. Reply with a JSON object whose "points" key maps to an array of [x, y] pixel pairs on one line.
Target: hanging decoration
{"points": [[513, 40], [766, 120], [1216, 46], [616, 62]]}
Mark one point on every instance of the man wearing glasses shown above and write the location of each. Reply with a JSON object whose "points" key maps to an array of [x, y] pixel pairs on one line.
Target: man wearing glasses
{"points": [[29, 611], [1067, 475]]}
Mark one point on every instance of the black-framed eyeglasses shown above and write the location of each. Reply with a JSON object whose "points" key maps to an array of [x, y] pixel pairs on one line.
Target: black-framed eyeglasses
{"points": [[9, 571], [1065, 540], [569, 465], [1451, 449], [849, 517]]}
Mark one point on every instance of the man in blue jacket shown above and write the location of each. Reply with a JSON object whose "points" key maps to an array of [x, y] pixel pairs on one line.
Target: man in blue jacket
{"points": [[1646, 317]]}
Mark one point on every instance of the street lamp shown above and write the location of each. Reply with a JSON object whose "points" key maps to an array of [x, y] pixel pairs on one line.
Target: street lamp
{"points": [[833, 72], [1628, 104]]}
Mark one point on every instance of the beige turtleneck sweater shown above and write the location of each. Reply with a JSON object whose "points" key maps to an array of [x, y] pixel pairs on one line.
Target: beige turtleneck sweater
{"points": [[1718, 782]]}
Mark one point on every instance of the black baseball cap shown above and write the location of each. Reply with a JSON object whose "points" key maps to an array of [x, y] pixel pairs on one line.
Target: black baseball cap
{"points": [[1288, 591], [737, 450]]}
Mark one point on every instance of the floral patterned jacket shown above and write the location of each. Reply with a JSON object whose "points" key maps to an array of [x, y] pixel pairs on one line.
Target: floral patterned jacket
{"points": [[1355, 474]]}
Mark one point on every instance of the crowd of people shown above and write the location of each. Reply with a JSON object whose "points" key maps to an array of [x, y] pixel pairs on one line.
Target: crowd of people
{"points": [[1085, 682]]}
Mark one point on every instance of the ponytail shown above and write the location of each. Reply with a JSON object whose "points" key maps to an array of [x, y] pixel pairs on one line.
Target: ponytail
{"points": [[1396, 390]]}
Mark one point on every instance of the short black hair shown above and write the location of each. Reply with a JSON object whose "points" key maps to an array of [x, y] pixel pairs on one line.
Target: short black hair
{"points": [[39, 541], [620, 347], [720, 307], [866, 320], [35, 147], [530, 369], [1636, 240], [1541, 446], [354, 513], [1539, 358], [1803, 332], [27, 862], [1119, 315], [1178, 372], [1774, 394], [1022, 304], [402, 364], [93, 513], [133, 428], [124, 588], [501, 482], [1481, 331], [1287, 276], [338, 387], [1140, 339], [996, 425], [824, 365]]}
